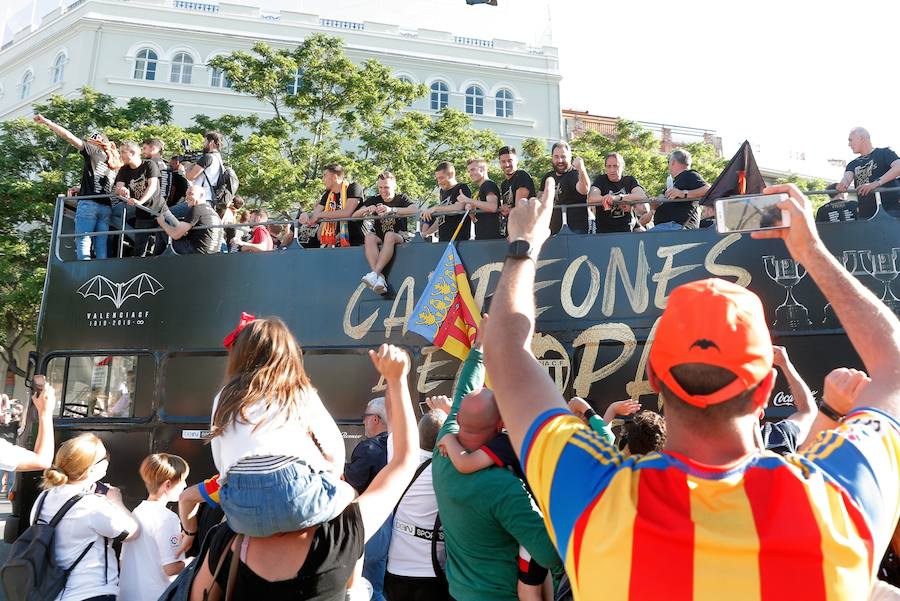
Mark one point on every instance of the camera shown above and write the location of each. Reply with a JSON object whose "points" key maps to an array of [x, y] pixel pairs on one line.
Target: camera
{"points": [[188, 155]]}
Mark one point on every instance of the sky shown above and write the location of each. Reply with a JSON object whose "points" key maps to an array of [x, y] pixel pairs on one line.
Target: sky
{"points": [[792, 76]]}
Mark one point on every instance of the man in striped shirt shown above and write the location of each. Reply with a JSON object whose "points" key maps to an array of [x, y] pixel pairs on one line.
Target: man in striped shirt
{"points": [[712, 516]]}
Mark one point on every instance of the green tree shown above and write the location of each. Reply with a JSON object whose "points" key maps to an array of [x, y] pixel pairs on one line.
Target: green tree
{"points": [[807, 184]]}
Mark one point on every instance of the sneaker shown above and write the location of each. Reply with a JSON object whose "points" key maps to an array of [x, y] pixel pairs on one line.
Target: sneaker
{"points": [[370, 279], [380, 286]]}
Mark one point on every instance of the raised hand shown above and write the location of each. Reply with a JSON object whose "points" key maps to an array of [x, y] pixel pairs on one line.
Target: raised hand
{"points": [[390, 361], [439, 403], [801, 236], [621, 408], [842, 386], [530, 219], [578, 406]]}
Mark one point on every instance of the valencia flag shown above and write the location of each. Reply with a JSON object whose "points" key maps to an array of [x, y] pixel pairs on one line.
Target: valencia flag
{"points": [[446, 313], [740, 176]]}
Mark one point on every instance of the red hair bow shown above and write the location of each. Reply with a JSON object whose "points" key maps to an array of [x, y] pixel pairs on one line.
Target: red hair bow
{"points": [[245, 319]]}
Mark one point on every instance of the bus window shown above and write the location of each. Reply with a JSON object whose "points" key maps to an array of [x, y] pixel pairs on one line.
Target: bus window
{"points": [[94, 386], [56, 377], [190, 382]]}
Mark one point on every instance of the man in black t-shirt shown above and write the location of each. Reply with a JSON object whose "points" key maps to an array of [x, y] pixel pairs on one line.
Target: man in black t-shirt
{"points": [[186, 239], [572, 185], [518, 184], [98, 172], [686, 184], [611, 191], [138, 182], [873, 168], [453, 198], [485, 199], [339, 200], [387, 232]]}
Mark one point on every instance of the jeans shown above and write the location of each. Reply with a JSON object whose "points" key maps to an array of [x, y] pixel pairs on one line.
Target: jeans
{"points": [[412, 588], [91, 217], [375, 561], [668, 226], [291, 498]]}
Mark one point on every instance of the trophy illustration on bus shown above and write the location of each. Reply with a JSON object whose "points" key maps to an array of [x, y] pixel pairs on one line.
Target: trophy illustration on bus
{"points": [[787, 273], [880, 265]]}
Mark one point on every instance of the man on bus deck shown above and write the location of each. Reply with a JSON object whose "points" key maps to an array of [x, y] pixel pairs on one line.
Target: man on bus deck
{"points": [[572, 185], [686, 184], [874, 168], [610, 190], [186, 239], [340, 199], [485, 199], [712, 512], [516, 186]]}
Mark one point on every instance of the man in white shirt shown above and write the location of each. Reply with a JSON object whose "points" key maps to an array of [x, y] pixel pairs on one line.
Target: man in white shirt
{"points": [[410, 571], [17, 459], [208, 170]]}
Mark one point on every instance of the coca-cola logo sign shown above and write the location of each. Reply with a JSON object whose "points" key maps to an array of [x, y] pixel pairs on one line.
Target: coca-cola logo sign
{"points": [[782, 399]]}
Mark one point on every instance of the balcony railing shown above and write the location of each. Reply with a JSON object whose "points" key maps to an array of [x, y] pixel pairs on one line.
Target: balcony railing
{"points": [[465, 41], [196, 6]]}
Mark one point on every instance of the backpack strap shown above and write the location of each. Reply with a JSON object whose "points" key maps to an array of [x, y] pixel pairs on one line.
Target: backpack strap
{"points": [[40, 507], [80, 557], [64, 509], [435, 564], [415, 477]]}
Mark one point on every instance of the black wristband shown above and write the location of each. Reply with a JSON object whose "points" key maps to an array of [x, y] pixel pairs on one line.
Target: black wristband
{"points": [[830, 412], [188, 533], [589, 413]]}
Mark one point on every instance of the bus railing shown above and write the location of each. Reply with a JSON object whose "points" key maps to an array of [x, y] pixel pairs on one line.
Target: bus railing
{"points": [[72, 201]]}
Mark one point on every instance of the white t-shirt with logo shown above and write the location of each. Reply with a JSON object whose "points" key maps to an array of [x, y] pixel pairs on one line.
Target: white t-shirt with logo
{"points": [[142, 577], [90, 520], [410, 550]]}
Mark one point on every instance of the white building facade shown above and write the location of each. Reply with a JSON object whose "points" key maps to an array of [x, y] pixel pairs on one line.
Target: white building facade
{"points": [[160, 49]]}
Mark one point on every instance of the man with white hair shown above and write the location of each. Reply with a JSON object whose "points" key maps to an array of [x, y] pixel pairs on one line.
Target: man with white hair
{"points": [[368, 458], [873, 168], [686, 184], [186, 239]]}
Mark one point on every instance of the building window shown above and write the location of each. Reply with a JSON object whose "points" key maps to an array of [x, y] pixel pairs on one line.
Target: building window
{"points": [[440, 95], [405, 79], [94, 386], [25, 86], [145, 65], [59, 67], [220, 79], [504, 103], [182, 66], [474, 100], [293, 85]]}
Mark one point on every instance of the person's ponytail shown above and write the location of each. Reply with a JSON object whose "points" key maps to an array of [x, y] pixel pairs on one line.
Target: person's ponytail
{"points": [[53, 477]]}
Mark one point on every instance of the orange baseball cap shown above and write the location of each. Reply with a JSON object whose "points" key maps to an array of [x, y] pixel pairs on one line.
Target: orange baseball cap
{"points": [[713, 322]]}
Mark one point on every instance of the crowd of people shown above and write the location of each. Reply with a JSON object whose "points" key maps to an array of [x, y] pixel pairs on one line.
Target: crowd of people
{"points": [[190, 199], [507, 491]]}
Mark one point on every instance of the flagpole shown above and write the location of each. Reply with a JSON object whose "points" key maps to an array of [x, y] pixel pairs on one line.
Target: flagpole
{"points": [[461, 222]]}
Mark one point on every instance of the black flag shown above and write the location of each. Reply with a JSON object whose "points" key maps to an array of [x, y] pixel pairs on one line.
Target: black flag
{"points": [[740, 176]]}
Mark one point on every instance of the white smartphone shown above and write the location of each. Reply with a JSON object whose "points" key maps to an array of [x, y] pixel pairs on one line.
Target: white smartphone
{"points": [[751, 213]]}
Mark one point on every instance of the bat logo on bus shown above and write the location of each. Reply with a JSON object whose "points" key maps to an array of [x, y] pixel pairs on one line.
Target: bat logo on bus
{"points": [[102, 287]]}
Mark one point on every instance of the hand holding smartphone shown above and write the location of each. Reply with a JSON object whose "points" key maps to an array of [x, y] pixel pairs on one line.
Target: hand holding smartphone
{"points": [[751, 213]]}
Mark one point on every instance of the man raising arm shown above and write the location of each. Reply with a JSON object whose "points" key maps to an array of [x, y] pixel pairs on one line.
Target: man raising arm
{"points": [[18, 459]]}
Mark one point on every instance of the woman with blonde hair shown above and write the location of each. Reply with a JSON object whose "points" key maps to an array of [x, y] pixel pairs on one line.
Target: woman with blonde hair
{"points": [[93, 521], [278, 451]]}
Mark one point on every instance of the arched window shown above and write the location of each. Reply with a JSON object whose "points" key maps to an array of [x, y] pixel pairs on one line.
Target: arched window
{"points": [[504, 103], [440, 95], [25, 86], [145, 64], [182, 66], [293, 85], [474, 100], [59, 67], [219, 79], [405, 79]]}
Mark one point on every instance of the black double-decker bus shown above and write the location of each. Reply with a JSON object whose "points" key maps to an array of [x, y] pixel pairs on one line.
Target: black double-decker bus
{"points": [[133, 346]]}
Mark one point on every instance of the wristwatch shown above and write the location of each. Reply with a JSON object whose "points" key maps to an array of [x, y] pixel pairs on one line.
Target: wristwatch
{"points": [[685, 194], [830, 411], [522, 249]]}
